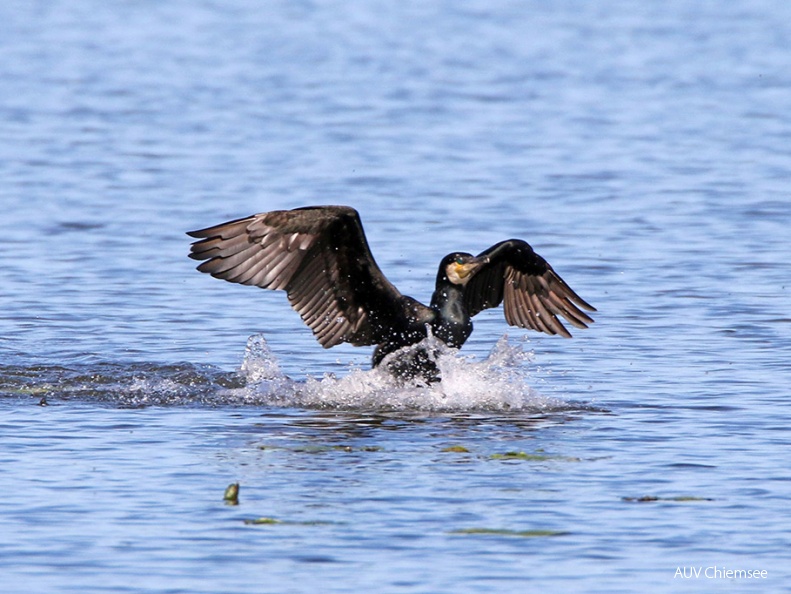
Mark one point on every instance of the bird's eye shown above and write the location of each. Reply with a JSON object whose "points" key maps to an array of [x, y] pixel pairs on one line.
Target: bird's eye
{"points": [[459, 260]]}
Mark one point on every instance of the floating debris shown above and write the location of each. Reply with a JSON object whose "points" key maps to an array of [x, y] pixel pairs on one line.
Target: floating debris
{"points": [[231, 496]]}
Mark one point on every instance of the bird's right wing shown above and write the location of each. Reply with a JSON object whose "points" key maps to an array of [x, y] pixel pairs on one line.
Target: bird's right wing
{"points": [[532, 293], [319, 256]]}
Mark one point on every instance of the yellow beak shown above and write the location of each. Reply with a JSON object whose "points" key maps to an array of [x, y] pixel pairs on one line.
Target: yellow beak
{"points": [[464, 270]]}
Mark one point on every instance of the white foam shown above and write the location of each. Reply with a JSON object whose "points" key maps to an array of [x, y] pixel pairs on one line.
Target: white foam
{"points": [[497, 383]]}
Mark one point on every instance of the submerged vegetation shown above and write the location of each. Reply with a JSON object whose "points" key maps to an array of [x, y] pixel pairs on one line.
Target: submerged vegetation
{"points": [[538, 457], [506, 532], [654, 498]]}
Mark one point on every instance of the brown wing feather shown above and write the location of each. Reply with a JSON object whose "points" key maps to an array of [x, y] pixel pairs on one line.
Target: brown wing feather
{"points": [[533, 294], [318, 255]]}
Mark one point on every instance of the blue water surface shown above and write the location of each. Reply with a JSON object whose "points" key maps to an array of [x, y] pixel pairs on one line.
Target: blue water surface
{"points": [[642, 149]]}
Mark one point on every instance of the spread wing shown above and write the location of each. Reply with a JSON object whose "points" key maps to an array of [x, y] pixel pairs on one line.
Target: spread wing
{"points": [[533, 294], [319, 256]]}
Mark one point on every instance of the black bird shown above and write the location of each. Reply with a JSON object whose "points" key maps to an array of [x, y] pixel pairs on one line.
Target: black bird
{"points": [[319, 255]]}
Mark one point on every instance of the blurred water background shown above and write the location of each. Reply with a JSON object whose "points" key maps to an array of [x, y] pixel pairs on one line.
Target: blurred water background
{"points": [[642, 148]]}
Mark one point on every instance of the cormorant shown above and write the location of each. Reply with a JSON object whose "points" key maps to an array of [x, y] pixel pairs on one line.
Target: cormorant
{"points": [[319, 255]]}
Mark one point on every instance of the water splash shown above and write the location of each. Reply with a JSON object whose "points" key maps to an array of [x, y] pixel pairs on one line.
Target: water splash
{"points": [[265, 383], [500, 382], [259, 363], [497, 383]]}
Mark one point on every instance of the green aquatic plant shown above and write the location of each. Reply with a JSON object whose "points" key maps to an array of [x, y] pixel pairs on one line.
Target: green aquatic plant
{"points": [[259, 521], [231, 496], [458, 449], [264, 520]]}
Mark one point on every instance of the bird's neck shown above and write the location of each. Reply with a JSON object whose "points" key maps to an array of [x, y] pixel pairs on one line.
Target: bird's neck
{"points": [[452, 324], [447, 295]]}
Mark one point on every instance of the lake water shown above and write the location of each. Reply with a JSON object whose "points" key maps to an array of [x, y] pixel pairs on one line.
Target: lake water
{"points": [[643, 149]]}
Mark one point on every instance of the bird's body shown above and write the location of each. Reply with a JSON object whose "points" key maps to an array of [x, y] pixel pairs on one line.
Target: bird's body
{"points": [[319, 255]]}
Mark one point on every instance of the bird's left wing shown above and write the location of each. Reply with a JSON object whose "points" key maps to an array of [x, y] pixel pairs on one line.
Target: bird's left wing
{"points": [[533, 294], [319, 256]]}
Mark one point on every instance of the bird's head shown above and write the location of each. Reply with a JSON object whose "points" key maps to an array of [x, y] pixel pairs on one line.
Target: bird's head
{"points": [[458, 267]]}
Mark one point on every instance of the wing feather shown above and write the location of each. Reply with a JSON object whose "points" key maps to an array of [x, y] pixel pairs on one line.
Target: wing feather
{"points": [[533, 295], [319, 256]]}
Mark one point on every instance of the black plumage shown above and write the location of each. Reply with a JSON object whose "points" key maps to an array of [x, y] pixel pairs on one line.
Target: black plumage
{"points": [[319, 255]]}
